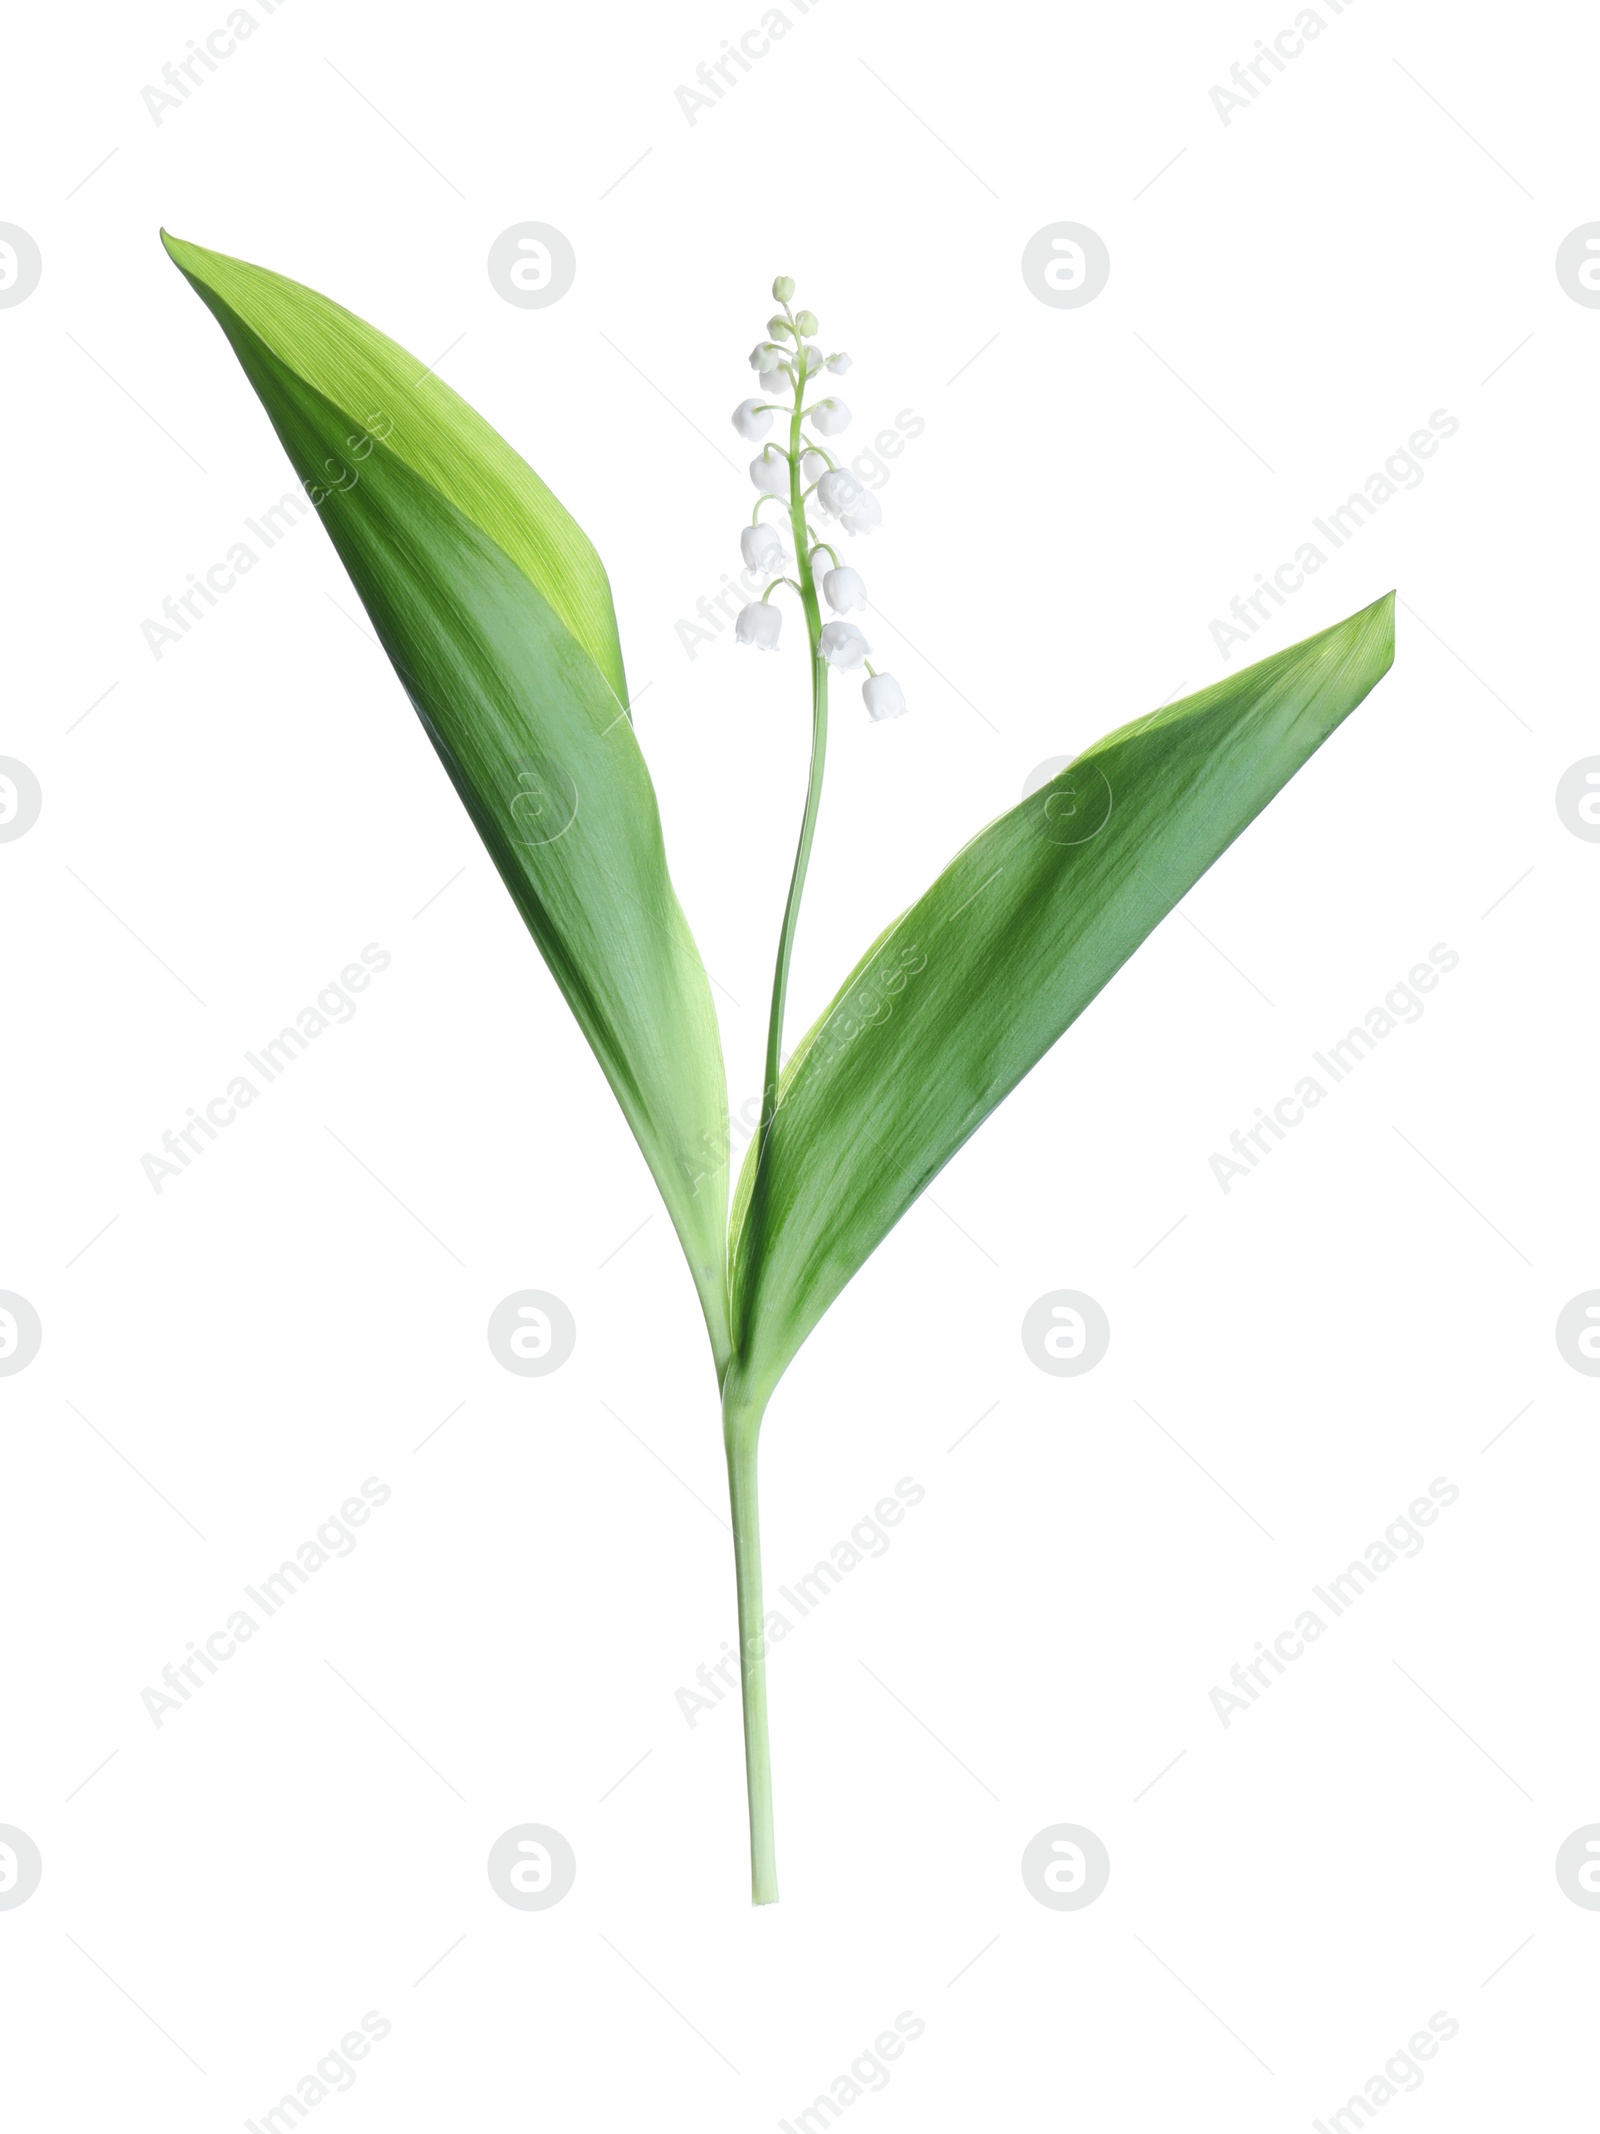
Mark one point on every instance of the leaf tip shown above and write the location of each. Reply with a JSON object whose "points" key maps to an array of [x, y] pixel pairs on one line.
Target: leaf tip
{"points": [[1382, 610], [188, 258]]}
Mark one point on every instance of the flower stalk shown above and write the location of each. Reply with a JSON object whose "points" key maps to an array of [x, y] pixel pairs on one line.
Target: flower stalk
{"points": [[828, 644]]}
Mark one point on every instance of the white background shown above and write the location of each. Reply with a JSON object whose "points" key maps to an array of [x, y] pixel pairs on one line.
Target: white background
{"points": [[1371, 240]]}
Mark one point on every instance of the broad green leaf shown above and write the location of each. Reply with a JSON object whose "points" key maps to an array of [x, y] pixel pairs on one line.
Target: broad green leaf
{"points": [[510, 660], [967, 990], [431, 428]]}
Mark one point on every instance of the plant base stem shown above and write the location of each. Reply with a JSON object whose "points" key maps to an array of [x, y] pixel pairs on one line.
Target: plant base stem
{"points": [[741, 1428]]}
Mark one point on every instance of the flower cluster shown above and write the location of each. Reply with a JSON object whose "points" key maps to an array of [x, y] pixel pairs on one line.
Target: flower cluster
{"points": [[803, 476]]}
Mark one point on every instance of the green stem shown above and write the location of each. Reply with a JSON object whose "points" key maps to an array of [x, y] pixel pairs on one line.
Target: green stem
{"points": [[808, 822], [741, 1427], [742, 1407]]}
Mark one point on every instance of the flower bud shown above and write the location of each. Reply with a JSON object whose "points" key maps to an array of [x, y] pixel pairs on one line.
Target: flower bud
{"points": [[758, 625], [861, 516], [812, 468], [843, 644], [760, 547], [838, 491], [839, 363], [780, 329], [770, 472], [751, 420], [843, 590], [881, 695], [806, 321], [766, 355], [829, 417], [783, 288], [815, 359]]}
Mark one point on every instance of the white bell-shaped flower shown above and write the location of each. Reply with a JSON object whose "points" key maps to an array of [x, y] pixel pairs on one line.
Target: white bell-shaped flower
{"points": [[861, 516], [812, 468], [775, 384], [761, 548], [838, 491], [882, 697], [843, 590], [843, 644], [758, 625], [770, 473], [839, 363], [829, 417], [752, 420], [766, 355]]}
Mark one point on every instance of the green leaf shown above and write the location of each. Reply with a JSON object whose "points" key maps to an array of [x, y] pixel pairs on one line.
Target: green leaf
{"points": [[431, 428], [967, 990], [497, 616]]}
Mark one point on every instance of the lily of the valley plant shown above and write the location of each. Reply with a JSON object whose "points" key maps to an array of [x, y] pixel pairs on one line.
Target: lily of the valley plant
{"points": [[497, 616]]}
